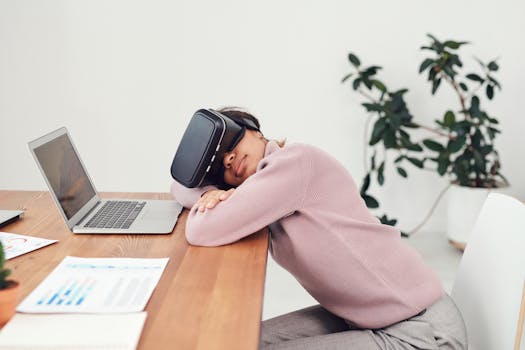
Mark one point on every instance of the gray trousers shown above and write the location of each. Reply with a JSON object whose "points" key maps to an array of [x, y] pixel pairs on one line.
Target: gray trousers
{"points": [[439, 327]]}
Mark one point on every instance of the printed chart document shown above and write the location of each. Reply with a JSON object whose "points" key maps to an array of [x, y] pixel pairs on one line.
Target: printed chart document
{"points": [[96, 285], [73, 331], [15, 245]]}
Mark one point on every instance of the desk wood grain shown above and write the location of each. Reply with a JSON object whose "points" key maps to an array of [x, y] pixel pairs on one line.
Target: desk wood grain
{"points": [[207, 298]]}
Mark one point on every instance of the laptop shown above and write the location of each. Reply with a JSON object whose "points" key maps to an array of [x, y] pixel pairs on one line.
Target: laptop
{"points": [[8, 216], [78, 201]]}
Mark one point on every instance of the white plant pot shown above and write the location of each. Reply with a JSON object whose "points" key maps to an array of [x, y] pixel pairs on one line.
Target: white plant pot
{"points": [[463, 207]]}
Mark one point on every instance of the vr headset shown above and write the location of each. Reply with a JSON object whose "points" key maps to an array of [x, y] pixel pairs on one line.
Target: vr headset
{"points": [[199, 157]]}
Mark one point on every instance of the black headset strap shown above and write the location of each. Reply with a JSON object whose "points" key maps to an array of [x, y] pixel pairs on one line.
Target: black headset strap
{"points": [[250, 124], [247, 123]]}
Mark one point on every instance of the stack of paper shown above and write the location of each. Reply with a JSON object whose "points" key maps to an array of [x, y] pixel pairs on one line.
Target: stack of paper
{"points": [[89, 303], [73, 331]]}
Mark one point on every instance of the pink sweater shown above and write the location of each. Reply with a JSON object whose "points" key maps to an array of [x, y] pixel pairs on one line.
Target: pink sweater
{"points": [[323, 234]]}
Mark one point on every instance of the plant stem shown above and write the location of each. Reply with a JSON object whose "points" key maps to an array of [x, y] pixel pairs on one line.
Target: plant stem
{"points": [[436, 131], [431, 211], [367, 96], [365, 138], [456, 88]]}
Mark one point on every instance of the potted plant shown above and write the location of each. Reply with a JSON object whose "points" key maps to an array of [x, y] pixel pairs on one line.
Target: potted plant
{"points": [[460, 146], [9, 291]]}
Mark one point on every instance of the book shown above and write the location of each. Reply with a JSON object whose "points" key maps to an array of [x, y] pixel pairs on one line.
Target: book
{"points": [[73, 331]]}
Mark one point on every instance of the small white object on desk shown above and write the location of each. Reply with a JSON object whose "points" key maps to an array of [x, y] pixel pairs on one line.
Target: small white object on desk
{"points": [[73, 331], [15, 244]]}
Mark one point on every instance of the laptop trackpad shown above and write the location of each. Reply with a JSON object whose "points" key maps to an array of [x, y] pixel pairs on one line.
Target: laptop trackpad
{"points": [[157, 214]]}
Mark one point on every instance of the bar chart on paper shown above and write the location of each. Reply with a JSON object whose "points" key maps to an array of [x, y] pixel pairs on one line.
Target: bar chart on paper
{"points": [[96, 285]]}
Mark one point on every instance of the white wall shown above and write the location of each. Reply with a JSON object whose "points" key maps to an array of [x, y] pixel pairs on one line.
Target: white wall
{"points": [[125, 76]]}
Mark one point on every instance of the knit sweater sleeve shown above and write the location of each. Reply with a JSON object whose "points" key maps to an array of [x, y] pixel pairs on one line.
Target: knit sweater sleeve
{"points": [[276, 190], [187, 197]]}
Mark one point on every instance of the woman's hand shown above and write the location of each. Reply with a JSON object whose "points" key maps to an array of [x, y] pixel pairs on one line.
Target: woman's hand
{"points": [[211, 198]]}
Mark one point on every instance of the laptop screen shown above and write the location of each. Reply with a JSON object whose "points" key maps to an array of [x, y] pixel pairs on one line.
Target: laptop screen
{"points": [[65, 173]]}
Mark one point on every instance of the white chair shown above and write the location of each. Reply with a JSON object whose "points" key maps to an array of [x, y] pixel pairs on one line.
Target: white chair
{"points": [[490, 283]]}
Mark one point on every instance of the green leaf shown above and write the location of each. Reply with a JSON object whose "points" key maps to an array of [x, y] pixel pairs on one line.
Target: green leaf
{"points": [[415, 161], [354, 60], [379, 85], [414, 147], [477, 139], [434, 38], [425, 64], [367, 82], [443, 163], [371, 70], [372, 107], [411, 125], [475, 77], [398, 159], [492, 132], [373, 162], [346, 77], [4, 273], [493, 120], [380, 174], [402, 172], [494, 81], [474, 107], [389, 138], [2, 256], [356, 83], [435, 85], [456, 144], [449, 118], [385, 221], [370, 201], [463, 86], [454, 44], [377, 132], [490, 91], [486, 149], [449, 71], [366, 184], [479, 161], [433, 145], [454, 59], [493, 66]]}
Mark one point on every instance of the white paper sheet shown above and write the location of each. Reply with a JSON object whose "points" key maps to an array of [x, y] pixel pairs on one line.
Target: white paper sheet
{"points": [[96, 285], [15, 244], [73, 331]]}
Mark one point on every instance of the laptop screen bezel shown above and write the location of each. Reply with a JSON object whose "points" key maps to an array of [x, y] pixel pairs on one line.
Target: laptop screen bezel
{"points": [[86, 208]]}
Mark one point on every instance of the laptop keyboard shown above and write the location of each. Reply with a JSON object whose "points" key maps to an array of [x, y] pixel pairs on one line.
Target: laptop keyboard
{"points": [[116, 214]]}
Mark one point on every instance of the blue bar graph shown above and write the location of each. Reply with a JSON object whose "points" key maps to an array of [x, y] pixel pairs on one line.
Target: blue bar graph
{"points": [[72, 293]]}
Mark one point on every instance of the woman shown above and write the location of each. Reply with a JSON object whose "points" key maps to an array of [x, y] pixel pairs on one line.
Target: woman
{"points": [[374, 291]]}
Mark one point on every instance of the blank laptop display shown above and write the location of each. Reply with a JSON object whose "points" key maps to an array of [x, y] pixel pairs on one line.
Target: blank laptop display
{"points": [[78, 201]]}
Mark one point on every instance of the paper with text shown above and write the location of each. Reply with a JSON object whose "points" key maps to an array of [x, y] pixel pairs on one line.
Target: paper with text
{"points": [[73, 331], [96, 285], [15, 244]]}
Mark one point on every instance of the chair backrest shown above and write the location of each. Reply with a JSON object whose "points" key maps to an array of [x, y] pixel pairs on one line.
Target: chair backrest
{"points": [[490, 281]]}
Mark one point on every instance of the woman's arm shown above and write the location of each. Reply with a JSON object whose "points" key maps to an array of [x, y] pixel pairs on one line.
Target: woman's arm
{"points": [[277, 189], [188, 196]]}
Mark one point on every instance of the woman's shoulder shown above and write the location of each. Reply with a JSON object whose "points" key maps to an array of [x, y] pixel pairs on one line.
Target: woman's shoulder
{"points": [[299, 147], [305, 150], [297, 152]]}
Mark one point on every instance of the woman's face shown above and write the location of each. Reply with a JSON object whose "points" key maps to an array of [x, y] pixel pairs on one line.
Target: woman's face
{"points": [[241, 162]]}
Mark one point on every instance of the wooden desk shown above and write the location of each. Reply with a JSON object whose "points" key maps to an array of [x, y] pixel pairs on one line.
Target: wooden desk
{"points": [[207, 298]]}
